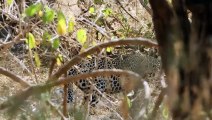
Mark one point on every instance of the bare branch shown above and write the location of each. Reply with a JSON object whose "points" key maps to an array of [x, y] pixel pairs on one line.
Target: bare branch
{"points": [[14, 77], [157, 104], [65, 89], [99, 47], [98, 28], [38, 89], [104, 72]]}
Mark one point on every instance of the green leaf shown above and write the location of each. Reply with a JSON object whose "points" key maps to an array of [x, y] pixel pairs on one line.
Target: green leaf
{"points": [[70, 26], [59, 60], [85, 46], [129, 102], [61, 25], [81, 36], [37, 59], [91, 10], [146, 2], [40, 13], [9, 2], [56, 43], [44, 96], [49, 15], [109, 49], [46, 38], [165, 112], [61, 16], [79, 113], [89, 56], [98, 2], [33, 9], [31, 41], [107, 12]]}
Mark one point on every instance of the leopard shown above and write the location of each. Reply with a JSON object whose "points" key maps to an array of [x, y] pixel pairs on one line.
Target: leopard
{"points": [[142, 64]]}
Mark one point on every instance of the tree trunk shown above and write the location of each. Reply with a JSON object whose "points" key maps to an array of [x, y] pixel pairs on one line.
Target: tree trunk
{"points": [[186, 51]]}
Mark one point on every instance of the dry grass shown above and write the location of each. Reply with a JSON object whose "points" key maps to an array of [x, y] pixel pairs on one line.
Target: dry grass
{"points": [[105, 110]]}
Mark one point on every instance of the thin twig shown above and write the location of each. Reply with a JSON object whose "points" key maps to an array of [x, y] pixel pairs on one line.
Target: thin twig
{"points": [[14, 77], [67, 5], [65, 89], [99, 47], [114, 111], [126, 11], [148, 9], [98, 28], [157, 104], [32, 65], [14, 18], [20, 63], [58, 111], [51, 68]]}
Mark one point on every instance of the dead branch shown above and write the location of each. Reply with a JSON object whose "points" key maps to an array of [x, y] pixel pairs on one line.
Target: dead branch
{"points": [[98, 28], [96, 73], [65, 89], [18, 99], [22, 65], [14, 77], [99, 47], [51, 68]]}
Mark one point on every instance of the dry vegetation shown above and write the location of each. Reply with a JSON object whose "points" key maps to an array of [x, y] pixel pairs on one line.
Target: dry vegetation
{"points": [[110, 19], [41, 40]]}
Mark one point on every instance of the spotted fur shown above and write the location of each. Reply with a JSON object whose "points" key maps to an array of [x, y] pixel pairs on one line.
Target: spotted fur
{"points": [[134, 62]]}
